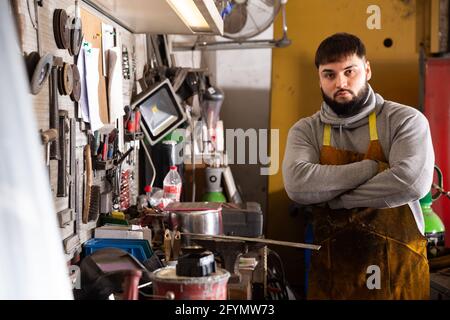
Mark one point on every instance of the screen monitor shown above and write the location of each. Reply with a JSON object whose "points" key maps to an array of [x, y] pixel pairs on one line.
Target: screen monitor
{"points": [[160, 111]]}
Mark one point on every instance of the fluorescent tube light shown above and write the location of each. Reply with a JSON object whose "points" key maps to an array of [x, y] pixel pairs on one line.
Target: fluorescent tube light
{"points": [[190, 14]]}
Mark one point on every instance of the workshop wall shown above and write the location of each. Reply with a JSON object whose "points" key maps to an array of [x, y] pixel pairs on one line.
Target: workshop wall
{"points": [[295, 84], [41, 101]]}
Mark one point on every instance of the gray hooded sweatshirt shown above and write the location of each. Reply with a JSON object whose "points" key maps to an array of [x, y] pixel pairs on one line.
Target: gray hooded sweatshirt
{"points": [[405, 138]]}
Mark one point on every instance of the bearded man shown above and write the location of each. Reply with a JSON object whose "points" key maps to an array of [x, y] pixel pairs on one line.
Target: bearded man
{"points": [[363, 163]]}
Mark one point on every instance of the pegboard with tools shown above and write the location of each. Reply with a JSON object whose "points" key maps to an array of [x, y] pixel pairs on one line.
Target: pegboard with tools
{"points": [[51, 36]]}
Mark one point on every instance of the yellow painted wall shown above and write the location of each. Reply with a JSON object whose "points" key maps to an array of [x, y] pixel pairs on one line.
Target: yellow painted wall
{"points": [[295, 86]]}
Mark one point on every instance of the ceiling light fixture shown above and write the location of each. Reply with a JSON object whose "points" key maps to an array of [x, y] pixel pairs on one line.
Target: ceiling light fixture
{"points": [[198, 15]]}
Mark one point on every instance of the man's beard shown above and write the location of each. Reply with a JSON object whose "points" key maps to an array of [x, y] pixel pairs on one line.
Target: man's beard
{"points": [[350, 108]]}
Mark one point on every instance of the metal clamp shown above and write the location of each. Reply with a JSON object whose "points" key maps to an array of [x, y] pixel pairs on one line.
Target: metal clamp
{"points": [[441, 191]]}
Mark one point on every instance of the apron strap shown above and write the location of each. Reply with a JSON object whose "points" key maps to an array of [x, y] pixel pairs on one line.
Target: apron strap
{"points": [[373, 126], [327, 135], [372, 130]]}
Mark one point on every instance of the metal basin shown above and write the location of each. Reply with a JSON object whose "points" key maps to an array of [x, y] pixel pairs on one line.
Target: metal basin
{"points": [[202, 222]]}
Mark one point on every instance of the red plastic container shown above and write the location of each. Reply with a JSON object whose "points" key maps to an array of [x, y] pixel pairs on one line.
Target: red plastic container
{"points": [[212, 287]]}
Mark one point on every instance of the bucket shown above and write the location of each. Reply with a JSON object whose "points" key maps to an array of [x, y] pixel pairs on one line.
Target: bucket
{"points": [[212, 287]]}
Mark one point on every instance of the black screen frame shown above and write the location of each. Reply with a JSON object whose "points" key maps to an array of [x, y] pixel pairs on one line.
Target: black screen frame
{"points": [[147, 94]]}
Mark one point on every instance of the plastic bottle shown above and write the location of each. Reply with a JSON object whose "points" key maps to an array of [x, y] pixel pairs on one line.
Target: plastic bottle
{"points": [[172, 185], [154, 196]]}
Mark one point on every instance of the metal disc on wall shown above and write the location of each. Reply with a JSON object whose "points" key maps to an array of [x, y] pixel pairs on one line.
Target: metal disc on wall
{"points": [[38, 70], [76, 92]]}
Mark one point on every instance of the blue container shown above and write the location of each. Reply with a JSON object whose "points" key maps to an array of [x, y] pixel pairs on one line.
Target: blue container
{"points": [[140, 249]]}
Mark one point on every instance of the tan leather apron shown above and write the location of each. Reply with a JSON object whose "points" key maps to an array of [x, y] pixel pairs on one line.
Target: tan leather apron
{"points": [[356, 242]]}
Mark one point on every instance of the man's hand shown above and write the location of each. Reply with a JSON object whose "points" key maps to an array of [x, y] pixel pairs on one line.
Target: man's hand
{"points": [[382, 166]]}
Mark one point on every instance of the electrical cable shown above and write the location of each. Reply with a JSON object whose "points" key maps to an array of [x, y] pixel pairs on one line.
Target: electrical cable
{"points": [[276, 277], [151, 163]]}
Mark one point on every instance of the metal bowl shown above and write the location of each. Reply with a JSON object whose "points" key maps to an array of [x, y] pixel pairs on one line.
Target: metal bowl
{"points": [[202, 222]]}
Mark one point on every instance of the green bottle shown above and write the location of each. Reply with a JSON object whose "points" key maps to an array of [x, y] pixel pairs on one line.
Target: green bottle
{"points": [[434, 227]]}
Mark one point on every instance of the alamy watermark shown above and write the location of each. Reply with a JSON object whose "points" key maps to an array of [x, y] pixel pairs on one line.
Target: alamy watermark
{"points": [[374, 20], [250, 147], [373, 280]]}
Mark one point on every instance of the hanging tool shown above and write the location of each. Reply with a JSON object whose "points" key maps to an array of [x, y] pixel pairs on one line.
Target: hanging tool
{"points": [[123, 157], [54, 112], [67, 30], [62, 163], [76, 187], [76, 33], [38, 65], [112, 144], [38, 70], [73, 171], [61, 29], [76, 90], [125, 178], [65, 79], [94, 206], [105, 147], [71, 243], [65, 217], [88, 182], [47, 137], [116, 186]]}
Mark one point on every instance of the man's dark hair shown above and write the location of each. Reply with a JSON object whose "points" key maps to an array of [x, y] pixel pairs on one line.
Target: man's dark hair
{"points": [[338, 46]]}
